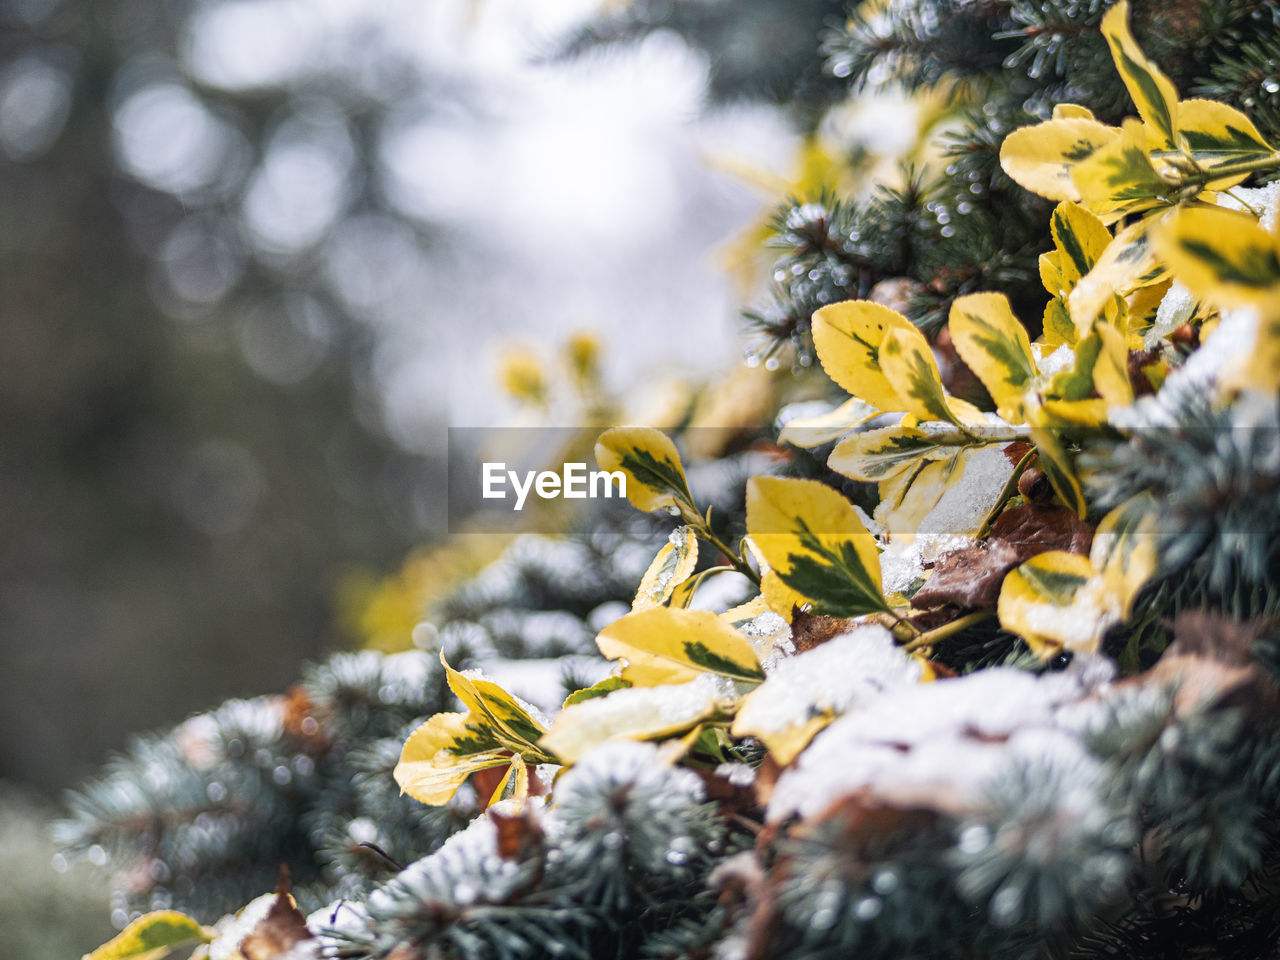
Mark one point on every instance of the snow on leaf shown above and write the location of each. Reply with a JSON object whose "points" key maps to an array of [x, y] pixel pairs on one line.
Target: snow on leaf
{"points": [[640, 713], [805, 692], [671, 567]]}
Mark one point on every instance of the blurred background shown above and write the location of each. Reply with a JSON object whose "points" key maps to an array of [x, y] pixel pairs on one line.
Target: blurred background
{"points": [[255, 257]]}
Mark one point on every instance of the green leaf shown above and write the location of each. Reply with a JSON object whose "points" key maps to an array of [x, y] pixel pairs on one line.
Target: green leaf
{"points": [[1216, 134], [648, 458], [815, 543], [665, 645], [152, 936]]}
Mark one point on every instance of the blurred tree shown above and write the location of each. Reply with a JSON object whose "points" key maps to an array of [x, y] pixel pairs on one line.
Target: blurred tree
{"points": [[192, 256]]}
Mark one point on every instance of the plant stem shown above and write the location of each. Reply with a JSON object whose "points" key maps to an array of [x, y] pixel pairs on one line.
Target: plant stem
{"points": [[930, 637], [703, 530]]}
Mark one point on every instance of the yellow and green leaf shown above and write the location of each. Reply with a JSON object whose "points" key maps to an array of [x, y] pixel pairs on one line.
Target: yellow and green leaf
{"points": [[648, 458], [876, 455], [1046, 602], [1124, 551], [1120, 179], [1129, 262], [599, 689], [1057, 467], [671, 567], [816, 544], [848, 337], [1042, 157], [1224, 257], [1216, 133], [1080, 238], [494, 710], [514, 784], [442, 752], [996, 348], [809, 432], [666, 645], [907, 363], [1153, 93], [152, 936], [640, 713]]}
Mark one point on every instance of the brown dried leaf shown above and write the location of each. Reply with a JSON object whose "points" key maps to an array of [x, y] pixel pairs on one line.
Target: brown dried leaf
{"points": [[276, 935], [970, 577]]}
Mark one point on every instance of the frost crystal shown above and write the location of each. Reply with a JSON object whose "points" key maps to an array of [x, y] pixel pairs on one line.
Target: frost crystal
{"points": [[770, 637], [835, 676]]}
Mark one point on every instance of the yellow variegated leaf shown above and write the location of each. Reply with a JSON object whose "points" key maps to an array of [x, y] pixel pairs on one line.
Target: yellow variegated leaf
{"points": [[1222, 256], [814, 431], [1058, 328], [648, 458], [1153, 93], [1111, 369], [876, 455], [664, 645], [1051, 274], [1049, 603], [1041, 157], [152, 936], [514, 784], [1128, 262], [781, 599], [996, 348], [607, 685], [1072, 111], [494, 709], [1216, 134], [1260, 370], [848, 337], [1080, 413], [745, 612], [1058, 469], [640, 713], [1080, 238], [817, 545], [441, 753], [908, 364], [671, 567], [1119, 178], [1124, 551]]}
